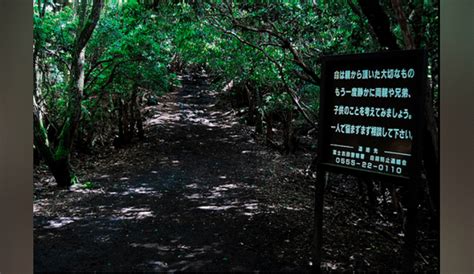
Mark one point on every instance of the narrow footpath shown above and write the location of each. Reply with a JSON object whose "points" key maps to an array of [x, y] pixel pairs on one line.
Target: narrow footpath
{"points": [[185, 199]]}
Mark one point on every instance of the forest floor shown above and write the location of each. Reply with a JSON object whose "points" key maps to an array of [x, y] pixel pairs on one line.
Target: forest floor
{"points": [[202, 193]]}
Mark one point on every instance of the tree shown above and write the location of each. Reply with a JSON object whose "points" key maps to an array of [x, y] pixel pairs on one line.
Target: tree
{"points": [[57, 152], [412, 39]]}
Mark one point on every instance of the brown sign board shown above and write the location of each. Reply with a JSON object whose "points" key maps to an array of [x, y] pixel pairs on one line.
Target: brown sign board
{"points": [[371, 113]]}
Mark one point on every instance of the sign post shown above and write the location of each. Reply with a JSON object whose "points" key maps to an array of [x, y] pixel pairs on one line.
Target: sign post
{"points": [[371, 121]]}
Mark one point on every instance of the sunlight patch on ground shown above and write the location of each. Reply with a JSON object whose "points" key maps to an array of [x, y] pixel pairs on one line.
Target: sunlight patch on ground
{"points": [[175, 162], [80, 189], [194, 196], [283, 207], [159, 265], [61, 221], [139, 190], [251, 206], [330, 266], [40, 205], [132, 213], [231, 125], [216, 207], [194, 185], [214, 195], [186, 251], [161, 247], [247, 208], [293, 208], [219, 192], [153, 246], [163, 118], [225, 187], [188, 96], [215, 113], [203, 121]]}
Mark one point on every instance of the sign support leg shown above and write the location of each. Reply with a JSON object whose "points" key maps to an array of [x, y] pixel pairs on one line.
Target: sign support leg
{"points": [[318, 219], [411, 227]]}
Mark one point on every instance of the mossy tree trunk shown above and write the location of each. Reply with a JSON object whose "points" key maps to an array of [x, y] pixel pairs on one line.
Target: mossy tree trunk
{"points": [[57, 156]]}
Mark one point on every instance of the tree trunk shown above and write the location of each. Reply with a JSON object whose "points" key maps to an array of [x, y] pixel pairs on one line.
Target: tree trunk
{"points": [[294, 140], [269, 128], [258, 114], [120, 126], [380, 23], [36, 156], [57, 158], [431, 155], [132, 120], [402, 21], [127, 131], [62, 172], [251, 105], [141, 132], [136, 117], [287, 131]]}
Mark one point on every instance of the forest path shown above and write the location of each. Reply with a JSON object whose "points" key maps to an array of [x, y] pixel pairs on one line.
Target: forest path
{"points": [[183, 200]]}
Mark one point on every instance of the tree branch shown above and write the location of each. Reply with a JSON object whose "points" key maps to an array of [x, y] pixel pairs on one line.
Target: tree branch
{"points": [[285, 44], [380, 23], [402, 21], [281, 73]]}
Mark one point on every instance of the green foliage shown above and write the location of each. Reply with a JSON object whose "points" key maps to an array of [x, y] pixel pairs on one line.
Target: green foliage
{"points": [[88, 185], [310, 94], [130, 49], [275, 102], [75, 180], [134, 47], [61, 153]]}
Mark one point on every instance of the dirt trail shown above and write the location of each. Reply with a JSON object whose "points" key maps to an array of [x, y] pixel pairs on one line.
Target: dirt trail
{"points": [[185, 199], [201, 194]]}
